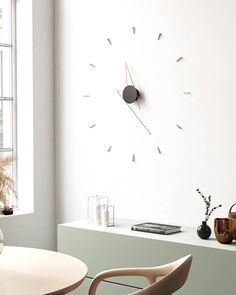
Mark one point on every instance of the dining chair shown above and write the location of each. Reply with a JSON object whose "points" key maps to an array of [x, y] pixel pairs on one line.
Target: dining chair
{"points": [[163, 280]]}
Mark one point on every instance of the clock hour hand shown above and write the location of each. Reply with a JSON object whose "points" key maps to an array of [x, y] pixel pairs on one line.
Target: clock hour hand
{"points": [[127, 74], [145, 127], [130, 93]]}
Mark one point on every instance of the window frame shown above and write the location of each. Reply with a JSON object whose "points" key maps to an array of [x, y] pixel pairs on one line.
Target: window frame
{"points": [[11, 44]]}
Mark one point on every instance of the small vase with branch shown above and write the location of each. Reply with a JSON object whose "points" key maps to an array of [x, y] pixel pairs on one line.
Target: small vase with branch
{"points": [[204, 230], [7, 185]]}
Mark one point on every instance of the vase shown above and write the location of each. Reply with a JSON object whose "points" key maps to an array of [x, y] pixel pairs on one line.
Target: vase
{"points": [[223, 228], [204, 230], [1, 240]]}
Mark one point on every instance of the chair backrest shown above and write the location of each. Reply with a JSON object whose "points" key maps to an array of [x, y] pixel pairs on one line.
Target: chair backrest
{"points": [[164, 279], [174, 276]]}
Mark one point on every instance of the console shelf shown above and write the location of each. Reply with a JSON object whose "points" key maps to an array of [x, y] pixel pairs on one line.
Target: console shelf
{"points": [[212, 271]]}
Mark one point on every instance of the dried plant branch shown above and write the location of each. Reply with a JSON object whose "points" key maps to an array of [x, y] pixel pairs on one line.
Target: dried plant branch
{"points": [[7, 184], [207, 202]]}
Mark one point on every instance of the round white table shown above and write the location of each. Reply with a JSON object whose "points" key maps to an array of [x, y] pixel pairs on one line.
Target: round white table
{"points": [[29, 271]]}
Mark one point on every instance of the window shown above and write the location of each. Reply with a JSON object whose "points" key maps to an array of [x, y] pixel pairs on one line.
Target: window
{"points": [[8, 83]]}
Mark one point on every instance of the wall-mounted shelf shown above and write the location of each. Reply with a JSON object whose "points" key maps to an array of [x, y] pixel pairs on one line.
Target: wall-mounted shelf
{"points": [[102, 248]]}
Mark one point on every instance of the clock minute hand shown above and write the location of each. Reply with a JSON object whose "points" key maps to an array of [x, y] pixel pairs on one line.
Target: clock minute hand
{"points": [[145, 127]]}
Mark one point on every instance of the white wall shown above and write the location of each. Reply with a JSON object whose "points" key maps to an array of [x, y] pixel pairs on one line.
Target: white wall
{"points": [[38, 229], [161, 188]]}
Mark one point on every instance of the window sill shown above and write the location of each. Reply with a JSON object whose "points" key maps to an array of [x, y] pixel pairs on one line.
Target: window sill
{"points": [[16, 213]]}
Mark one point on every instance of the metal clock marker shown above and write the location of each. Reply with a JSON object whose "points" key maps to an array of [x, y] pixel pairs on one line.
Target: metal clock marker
{"points": [[133, 158], [109, 41], [159, 36], [179, 59], [177, 125], [109, 149], [159, 150]]}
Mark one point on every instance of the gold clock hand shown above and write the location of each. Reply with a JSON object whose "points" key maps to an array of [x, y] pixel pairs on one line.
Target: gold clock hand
{"points": [[145, 127], [130, 93], [127, 83], [127, 73]]}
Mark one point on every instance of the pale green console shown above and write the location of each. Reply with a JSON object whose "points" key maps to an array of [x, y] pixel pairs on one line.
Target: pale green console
{"points": [[213, 270]]}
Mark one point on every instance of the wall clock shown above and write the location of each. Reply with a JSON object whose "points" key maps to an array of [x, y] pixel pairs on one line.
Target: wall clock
{"points": [[133, 96]]}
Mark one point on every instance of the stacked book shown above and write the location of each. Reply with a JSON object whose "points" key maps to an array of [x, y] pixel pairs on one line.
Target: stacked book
{"points": [[156, 228]]}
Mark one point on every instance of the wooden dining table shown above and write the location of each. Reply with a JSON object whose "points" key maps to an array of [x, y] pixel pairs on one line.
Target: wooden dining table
{"points": [[31, 271]]}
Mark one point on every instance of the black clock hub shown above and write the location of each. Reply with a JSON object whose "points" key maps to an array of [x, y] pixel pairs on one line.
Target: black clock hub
{"points": [[130, 94]]}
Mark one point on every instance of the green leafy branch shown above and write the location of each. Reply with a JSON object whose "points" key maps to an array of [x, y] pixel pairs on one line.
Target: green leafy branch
{"points": [[207, 201]]}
